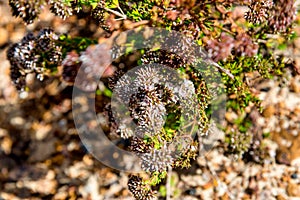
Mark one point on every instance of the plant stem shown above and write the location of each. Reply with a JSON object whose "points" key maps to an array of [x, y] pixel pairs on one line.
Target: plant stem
{"points": [[168, 184]]}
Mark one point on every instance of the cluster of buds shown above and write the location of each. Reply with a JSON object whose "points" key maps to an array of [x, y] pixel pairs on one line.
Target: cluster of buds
{"points": [[31, 54], [152, 93]]}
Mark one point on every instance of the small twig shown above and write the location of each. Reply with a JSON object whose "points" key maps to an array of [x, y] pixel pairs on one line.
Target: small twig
{"points": [[262, 41], [224, 29], [226, 71], [121, 10]]}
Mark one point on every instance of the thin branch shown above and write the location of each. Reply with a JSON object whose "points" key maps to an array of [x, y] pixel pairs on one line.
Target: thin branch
{"points": [[226, 71], [121, 15]]}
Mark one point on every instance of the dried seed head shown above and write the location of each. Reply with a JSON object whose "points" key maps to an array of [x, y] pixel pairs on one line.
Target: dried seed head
{"points": [[139, 190], [98, 13], [17, 77], [28, 10], [164, 58], [279, 15], [157, 160], [45, 40], [61, 8], [282, 16], [259, 11], [30, 54], [139, 146]]}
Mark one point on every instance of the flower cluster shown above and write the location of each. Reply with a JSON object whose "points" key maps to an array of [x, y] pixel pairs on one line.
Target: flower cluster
{"points": [[29, 10], [144, 99], [31, 54], [222, 48], [279, 15], [159, 106]]}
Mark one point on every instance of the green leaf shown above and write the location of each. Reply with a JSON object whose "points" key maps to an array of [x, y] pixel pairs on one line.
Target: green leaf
{"points": [[107, 92], [163, 190], [112, 4]]}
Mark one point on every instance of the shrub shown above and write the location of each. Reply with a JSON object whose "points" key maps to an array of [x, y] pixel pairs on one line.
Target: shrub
{"points": [[238, 44]]}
